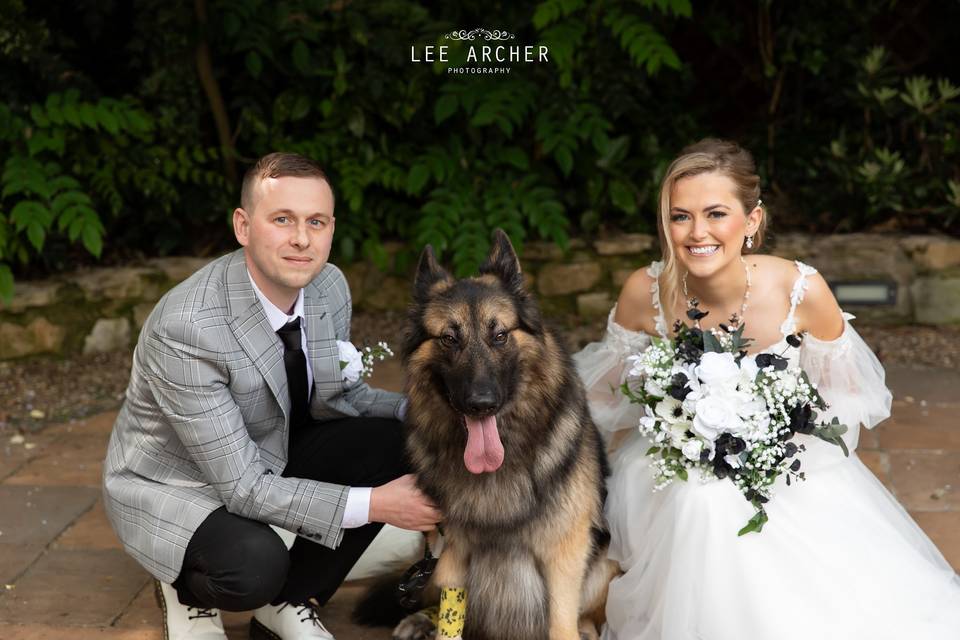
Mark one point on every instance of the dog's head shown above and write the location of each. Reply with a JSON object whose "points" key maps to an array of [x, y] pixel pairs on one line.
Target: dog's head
{"points": [[468, 339]]}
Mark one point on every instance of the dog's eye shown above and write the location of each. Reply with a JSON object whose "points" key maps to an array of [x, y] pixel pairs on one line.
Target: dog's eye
{"points": [[448, 340], [500, 338]]}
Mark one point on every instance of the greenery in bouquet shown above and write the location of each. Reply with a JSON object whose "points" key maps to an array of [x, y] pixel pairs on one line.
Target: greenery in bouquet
{"points": [[710, 406]]}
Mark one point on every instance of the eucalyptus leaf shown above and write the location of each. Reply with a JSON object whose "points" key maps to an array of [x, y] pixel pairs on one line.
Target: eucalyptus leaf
{"points": [[755, 524], [711, 344]]}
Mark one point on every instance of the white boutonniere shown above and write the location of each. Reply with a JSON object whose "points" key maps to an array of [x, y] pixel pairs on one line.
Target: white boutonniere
{"points": [[356, 364]]}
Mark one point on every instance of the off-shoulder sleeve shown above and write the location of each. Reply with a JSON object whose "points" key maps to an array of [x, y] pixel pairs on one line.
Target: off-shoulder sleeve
{"points": [[602, 367], [850, 379]]}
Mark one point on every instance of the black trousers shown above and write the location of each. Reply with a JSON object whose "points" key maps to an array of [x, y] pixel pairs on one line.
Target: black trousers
{"points": [[236, 564]]}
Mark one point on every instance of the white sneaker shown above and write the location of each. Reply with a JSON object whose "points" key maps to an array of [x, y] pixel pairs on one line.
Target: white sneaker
{"points": [[288, 622], [181, 622]]}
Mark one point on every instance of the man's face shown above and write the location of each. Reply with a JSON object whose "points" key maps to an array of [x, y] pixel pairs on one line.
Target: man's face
{"points": [[287, 235]]}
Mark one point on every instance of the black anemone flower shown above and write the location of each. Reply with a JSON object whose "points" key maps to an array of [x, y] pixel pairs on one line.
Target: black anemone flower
{"points": [[795, 339]]}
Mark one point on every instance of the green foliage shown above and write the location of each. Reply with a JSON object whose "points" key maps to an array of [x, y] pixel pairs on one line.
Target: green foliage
{"points": [[902, 157], [121, 141], [647, 47], [39, 197], [432, 157]]}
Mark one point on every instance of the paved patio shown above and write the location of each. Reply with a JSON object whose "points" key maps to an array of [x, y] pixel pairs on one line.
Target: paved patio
{"points": [[64, 575]]}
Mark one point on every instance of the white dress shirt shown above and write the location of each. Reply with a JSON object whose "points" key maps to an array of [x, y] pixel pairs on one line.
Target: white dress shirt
{"points": [[356, 512]]}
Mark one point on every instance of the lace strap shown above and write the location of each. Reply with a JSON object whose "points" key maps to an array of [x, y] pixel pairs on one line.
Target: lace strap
{"points": [[800, 286], [654, 271]]}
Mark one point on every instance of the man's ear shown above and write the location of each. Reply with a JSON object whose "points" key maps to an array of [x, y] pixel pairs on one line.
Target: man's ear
{"points": [[503, 262], [241, 226], [429, 273]]}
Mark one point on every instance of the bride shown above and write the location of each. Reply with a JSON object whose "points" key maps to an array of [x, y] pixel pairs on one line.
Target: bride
{"points": [[839, 557]]}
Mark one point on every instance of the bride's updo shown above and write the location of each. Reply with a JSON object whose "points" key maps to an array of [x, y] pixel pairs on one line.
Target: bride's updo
{"points": [[706, 156]]}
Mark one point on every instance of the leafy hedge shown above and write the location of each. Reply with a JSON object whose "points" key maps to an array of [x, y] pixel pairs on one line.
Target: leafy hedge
{"points": [[126, 125]]}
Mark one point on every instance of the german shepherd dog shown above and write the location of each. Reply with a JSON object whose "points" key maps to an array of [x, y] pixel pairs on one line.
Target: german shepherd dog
{"points": [[499, 434]]}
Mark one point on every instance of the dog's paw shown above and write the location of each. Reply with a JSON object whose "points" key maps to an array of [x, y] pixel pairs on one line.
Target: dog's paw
{"points": [[416, 626]]}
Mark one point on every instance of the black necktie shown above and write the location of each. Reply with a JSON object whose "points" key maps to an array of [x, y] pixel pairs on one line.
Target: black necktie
{"points": [[295, 362]]}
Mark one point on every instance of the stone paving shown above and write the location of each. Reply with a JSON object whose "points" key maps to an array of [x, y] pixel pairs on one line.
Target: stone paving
{"points": [[64, 575]]}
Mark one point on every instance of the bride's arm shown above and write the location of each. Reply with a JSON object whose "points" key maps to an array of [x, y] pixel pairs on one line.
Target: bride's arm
{"points": [[819, 314], [635, 310], [837, 360], [602, 365]]}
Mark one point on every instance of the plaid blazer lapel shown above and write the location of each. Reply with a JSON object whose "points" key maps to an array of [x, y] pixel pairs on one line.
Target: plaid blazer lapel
{"points": [[321, 345], [249, 324]]}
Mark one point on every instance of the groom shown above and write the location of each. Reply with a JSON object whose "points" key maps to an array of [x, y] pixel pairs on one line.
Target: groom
{"points": [[237, 417]]}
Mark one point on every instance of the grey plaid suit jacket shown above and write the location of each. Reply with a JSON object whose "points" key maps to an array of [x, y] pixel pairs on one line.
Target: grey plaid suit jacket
{"points": [[206, 416]]}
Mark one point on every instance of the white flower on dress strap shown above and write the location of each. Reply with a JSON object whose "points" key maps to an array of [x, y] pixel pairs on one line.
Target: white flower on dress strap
{"points": [[654, 270], [800, 287], [351, 361]]}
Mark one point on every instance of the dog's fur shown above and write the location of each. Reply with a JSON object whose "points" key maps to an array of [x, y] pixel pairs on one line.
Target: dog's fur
{"points": [[528, 541]]}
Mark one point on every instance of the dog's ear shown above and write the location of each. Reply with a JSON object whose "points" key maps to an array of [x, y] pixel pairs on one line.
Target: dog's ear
{"points": [[503, 262], [429, 273]]}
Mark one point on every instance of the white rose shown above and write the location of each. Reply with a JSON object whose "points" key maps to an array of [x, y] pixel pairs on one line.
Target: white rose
{"points": [[748, 369], [692, 448], [351, 361], [715, 415], [718, 370]]}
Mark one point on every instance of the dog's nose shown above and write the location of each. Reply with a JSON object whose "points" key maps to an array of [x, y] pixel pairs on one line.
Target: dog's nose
{"points": [[481, 402]]}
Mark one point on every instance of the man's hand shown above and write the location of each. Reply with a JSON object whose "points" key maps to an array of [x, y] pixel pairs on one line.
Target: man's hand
{"points": [[403, 505]]}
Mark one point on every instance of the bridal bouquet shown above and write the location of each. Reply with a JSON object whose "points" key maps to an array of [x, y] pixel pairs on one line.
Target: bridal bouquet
{"points": [[710, 406]]}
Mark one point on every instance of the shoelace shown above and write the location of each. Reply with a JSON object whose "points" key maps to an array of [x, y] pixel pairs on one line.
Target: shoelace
{"points": [[201, 613], [309, 611]]}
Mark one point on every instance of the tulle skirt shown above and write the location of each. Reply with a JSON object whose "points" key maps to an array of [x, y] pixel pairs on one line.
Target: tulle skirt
{"points": [[839, 559]]}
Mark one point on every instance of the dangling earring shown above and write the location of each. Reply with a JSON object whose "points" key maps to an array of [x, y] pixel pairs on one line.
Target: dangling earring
{"points": [[749, 242]]}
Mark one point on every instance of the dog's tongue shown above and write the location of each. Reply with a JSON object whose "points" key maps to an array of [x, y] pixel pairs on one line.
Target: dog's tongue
{"points": [[484, 452]]}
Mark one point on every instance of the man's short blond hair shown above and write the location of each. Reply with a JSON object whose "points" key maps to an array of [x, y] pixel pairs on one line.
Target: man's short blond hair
{"points": [[280, 164]]}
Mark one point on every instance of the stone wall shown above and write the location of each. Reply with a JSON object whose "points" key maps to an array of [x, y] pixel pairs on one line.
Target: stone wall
{"points": [[97, 310], [87, 311]]}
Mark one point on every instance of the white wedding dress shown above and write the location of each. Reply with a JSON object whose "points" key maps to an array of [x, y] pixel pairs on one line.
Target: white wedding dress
{"points": [[839, 558]]}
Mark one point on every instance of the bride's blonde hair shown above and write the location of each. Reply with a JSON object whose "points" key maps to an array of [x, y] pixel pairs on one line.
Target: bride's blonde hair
{"points": [[705, 156]]}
